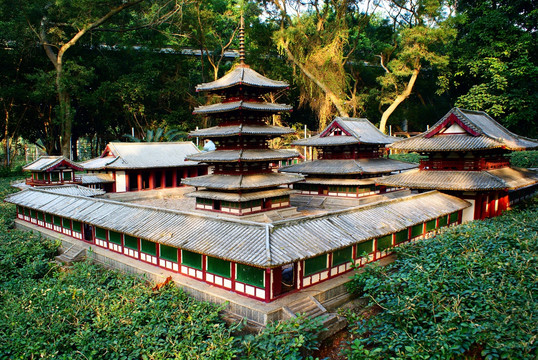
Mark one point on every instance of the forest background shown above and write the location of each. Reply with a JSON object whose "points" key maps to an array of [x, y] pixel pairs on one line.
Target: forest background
{"points": [[99, 69]]}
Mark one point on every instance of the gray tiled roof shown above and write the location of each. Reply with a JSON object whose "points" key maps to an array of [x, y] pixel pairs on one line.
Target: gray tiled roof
{"points": [[44, 163], [235, 197], [490, 133], [243, 155], [144, 155], [72, 190], [98, 163], [241, 105], [350, 166], [243, 129], [507, 178], [241, 182], [339, 181], [242, 75], [359, 130], [88, 179], [257, 244]]}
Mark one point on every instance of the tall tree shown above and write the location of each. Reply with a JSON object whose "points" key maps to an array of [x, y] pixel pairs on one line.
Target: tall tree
{"points": [[494, 61], [422, 34]]}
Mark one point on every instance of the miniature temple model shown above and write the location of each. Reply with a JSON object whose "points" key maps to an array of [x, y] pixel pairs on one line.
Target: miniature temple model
{"points": [[466, 156], [52, 170], [243, 181], [350, 153]]}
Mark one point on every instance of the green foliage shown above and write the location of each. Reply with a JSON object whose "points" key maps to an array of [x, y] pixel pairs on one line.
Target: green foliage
{"points": [[291, 339], [90, 312], [159, 135], [469, 290], [524, 159], [412, 157]]}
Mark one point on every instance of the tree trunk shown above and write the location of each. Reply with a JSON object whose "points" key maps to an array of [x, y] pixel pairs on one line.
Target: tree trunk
{"points": [[399, 99]]}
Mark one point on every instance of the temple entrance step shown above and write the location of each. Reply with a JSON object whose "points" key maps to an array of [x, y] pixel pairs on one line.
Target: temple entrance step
{"points": [[71, 255], [308, 306]]}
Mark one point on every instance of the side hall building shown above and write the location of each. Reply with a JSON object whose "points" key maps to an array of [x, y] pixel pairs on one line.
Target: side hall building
{"points": [[139, 166], [466, 157]]}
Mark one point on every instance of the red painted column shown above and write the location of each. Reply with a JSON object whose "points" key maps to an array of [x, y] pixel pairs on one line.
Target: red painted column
{"points": [[268, 285], [163, 179], [139, 179], [174, 178], [152, 180], [126, 182]]}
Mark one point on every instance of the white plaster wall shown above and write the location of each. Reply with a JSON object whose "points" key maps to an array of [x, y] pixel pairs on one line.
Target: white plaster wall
{"points": [[468, 213], [120, 181]]}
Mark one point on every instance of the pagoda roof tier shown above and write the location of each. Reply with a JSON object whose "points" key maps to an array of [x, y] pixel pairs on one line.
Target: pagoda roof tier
{"points": [[242, 129], [348, 131], [236, 197], [461, 130], [241, 105], [243, 155], [339, 181], [242, 75], [241, 182], [349, 166], [498, 179]]}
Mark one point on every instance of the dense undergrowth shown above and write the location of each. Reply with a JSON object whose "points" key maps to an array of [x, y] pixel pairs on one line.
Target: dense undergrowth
{"points": [[89, 312], [470, 293]]}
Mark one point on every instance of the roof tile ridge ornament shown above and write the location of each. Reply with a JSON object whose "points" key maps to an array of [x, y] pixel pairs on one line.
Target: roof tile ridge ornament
{"points": [[242, 41], [454, 116]]}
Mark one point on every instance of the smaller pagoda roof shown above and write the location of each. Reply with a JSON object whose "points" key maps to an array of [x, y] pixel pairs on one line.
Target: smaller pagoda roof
{"points": [[349, 166], [88, 179], [464, 130], [49, 163], [242, 129], [241, 182], [241, 105], [242, 75], [498, 179], [236, 197], [354, 131], [243, 155], [143, 155]]}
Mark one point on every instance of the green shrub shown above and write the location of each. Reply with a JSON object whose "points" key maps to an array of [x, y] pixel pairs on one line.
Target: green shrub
{"points": [[470, 290], [409, 157], [524, 159]]}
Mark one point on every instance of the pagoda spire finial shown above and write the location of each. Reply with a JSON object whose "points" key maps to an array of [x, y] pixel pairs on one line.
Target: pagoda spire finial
{"points": [[242, 41]]}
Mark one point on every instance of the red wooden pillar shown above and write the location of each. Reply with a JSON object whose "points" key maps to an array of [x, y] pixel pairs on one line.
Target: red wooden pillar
{"points": [[163, 179], [126, 182], [268, 285], [139, 179], [174, 178], [152, 180]]}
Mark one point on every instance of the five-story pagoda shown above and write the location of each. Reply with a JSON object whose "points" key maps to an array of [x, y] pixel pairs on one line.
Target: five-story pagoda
{"points": [[243, 181]]}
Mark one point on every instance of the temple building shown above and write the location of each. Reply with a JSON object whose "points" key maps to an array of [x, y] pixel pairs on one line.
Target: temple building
{"points": [[52, 170], [350, 158], [466, 156], [243, 181], [124, 167]]}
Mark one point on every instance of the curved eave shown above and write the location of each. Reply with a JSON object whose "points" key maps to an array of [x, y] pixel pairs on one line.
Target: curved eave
{"points": [[238, 130], [241, 106], [349, 167], [242, 155], [242, 75], [241, 182]]}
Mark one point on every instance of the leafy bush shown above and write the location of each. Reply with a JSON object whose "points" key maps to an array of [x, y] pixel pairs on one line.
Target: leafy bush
{"points": [[291, 339], [409, 157], [89, 312], [524, 159], [470, 290]]}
